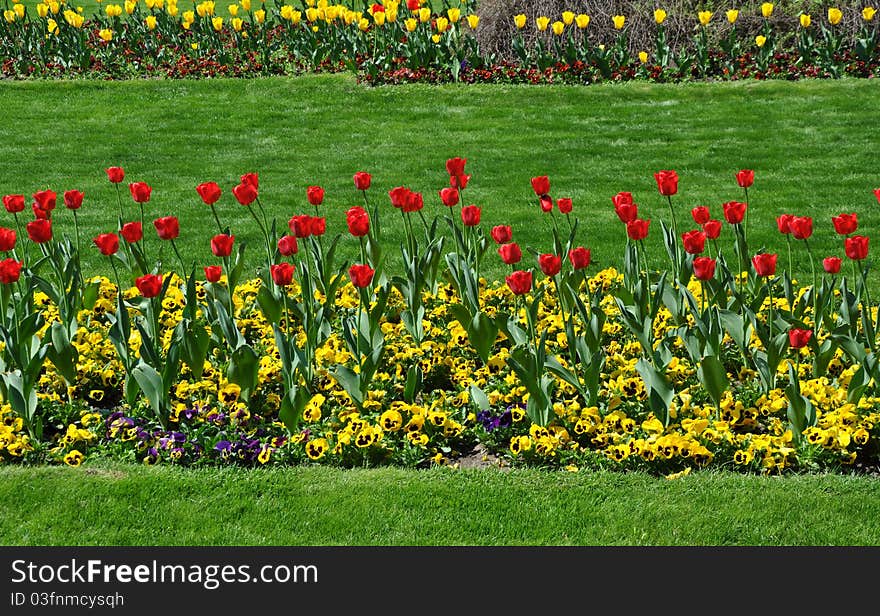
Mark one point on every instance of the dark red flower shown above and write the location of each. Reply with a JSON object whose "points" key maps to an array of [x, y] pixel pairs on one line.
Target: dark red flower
{"points": [[251, 179], [502, 234], [449, 196], [13, 203], [315, 195], [700, 214], [704, 268], [362, 180], [541, 185], [150, 285], [845, 223], [140, 191], [358, 221], [133, 232], [712, 228], [282, 274], [546, 203], [694, 241], [799, 338], [519, 282], [801, 227], [399, 196], [361, 275], [765, 264], [40, 231], [667, 182], [459, 181], [45, 200], [745, 178], [783, 223], [470, 215], [455, 166], [318, 225], [287, 245], [579, 257], [73, 199], [7, 239], [564, 205], [300, 225], [221, 245], [413, 5], [115, 174], [734, 212], [622, 198], [626, 212], [550, 264], [10, 271], [414, 202], [209, 192], [213, 273], [40, 214], [245, 193], [167, 227], [831, 265], [856, 247], [107, 243], [510, 253], [637, 229]]}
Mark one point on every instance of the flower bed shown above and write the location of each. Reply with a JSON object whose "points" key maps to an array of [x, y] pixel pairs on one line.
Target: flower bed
{"points": [[716, 360]]}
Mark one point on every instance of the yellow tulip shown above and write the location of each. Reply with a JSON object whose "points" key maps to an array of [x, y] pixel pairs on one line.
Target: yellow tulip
{"points": [[237, 23], [767, 9], [260, 16], [54, 7], [150, 4], [542, 23], [868, 13], [286, 12], [519, 21], [473, 21], [129, 7], [643, 57], [834, 16], [454, 15], [312, 14], [390, 16], [732, 16], [705, 17], [151, 22], [188, 17], [217, 23], [411, 24], [52, 26], [172, 9], [567, 18], [295, 17], [760, 40], [618, 20], [106, 35], [19, 10], [659, 16], [9, 16], [558, 28], [233, 9], [442, 25], [43, 9], [194, 46], [582, 21], [379, 18], [246, 4], [435, 38], [73, 18], [363, 24], [805, 20], [424, 14], [113, 10]]}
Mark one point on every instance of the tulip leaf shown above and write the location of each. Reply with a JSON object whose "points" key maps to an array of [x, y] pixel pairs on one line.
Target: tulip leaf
{"points": [[660, 391], [713, 376]]}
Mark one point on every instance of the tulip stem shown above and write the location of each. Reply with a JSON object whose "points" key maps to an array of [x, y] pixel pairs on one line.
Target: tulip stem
{"points": [[873, 341], [770, 298], [115, 274], [217, 218], [119, 203], [180, 258], [788, 241], [815, 298]]}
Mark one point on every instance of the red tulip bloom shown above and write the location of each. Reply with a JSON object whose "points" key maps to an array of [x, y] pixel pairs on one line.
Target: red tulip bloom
{"points": [[765, 264], [300, 225], [459, 181], [745, 178], [213, 273], [667, 182], [579, 257], [801, 227], [361, 275], [315, 195], [704, 268], [45, 200], [449, 196], [564, 205], [13, 203], [107, 243], [470, 215], [318, 225], [251, 179], [734, 212], [519, 282], [856, 247], [7, 239], [414, 202], [455, 166], [877, 194], [413, 5], [40, 214], [502, 234], [694, 242], [73, 199], [399, 196], [362, 180], [510, 253], [831, 265], [622, 198], [10, 271], [799, 338], [541, 185], [140, 191], [550, 264], [282, 274], [358, 221], [783, 223], [209, 192], [133, 232], [149, 285], [40, 231], [245, 193], [167, 227], [712, 229], [637, 229], [546, 204], [287, 245], [115, 174], [626, 212], [845, 223], [221, 245], [700, 214]]}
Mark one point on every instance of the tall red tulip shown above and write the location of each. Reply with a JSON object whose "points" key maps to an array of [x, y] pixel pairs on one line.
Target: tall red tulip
{"points": [[7, 239], [251, 179], [209, 192], [519, 282], [361, 275], [318, 225], [455, 166], [10, 271], [449, 196], [107, 243], [845, 224], [799, 338], [362, 180], [734, 212], [856, 247], [765, 264], [637, 229], [783, 223], [745, 178], [399, 196], [502, 234], [712, 229], [667, 182], [213, 273], [13, 203], [579, 257], [470, 215], [565, 205], [287, 245], [140, 191], [300, 225], [546, 203], [831, 265], [149, 285], [704, 268], [133, 232], [245, 193], [550, 264], [73, 199], [358, 221], [700, 214], [801, 227], [40, 231], [115, 174], [694, 241], [541, 185], [511, 253], [315, 195], [167, 227], [282, 274], [45, 200], [221, 245]]}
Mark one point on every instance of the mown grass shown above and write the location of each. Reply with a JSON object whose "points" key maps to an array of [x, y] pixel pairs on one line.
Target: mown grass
{"points": [[134, 505], [812, 145]]}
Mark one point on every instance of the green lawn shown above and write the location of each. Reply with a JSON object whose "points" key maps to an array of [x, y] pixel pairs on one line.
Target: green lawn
{"points": [[812, 144], [133, 505]]}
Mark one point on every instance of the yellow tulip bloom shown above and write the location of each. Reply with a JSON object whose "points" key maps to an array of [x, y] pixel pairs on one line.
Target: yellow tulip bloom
{"points": [[767, 9], [112, 10], [436, 38], [424, 14], [558, 28], [217, 23], [363, 24], [643, 57], [54, 7], [246, 4], [52, 26], [172, 9], [151, 22], [442, 25], [868, 13], [106, 35], [805, 20], [732, 16], [542, 23], [519, 21], [233, 9], [286, 12], [619, 21], [379, 18], [194, 46], [237, 24], [9, 15], [260, 16], [454, 15], [473, 21], [705, 17], [19, 10], [312, 14], [659, 16], [582, 21], [567, 18], [834, 16], [390, 16], [411, 24], [129, 7], [42, 9], [760, 40]]}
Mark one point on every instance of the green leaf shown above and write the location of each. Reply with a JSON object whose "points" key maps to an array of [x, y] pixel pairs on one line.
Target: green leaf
{"points": [[243, 369], [348, 379], [151, 384], [413, 385], [479, 399], [482, 334], [713, 376], [62, 353], [196, 343], [661, 392]]}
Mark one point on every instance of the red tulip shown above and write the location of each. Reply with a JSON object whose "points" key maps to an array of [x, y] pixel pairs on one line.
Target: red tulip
{"points": [[132, 232], [358, 221], [73, 199], [502, 234], [546, 204], [209, 192], [799, 338], [287, 245], [856, 247], [213, 273], [413, 5], [579, 257], [734, 212], [414, 202], [251, 179], [622, 198], [541, 185], [801, 227], [745, 178], [282, 274], [7, 239], [245, 193], [10, 271], [667, 182], [845, 223], [315, 195], [13, 203], [550, 264], [712, 229], [399, 196], [626, 212], [149, 285], [564, 205], [45, 200], [115, 174], [783, 223], [700, 214], [637, 229], [455, 166], [519, 282], [167, 227], [510, 253], [877, 194], [362, 180], [765, 264], [300, 225], [449, 196], [40, 214], [704, 268], [107, 243], [221, 245], [694, 242], [318, 225], [40, 231], [459, 181], [361, 275], [470, 215], [831, 265], [140, 191]]}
